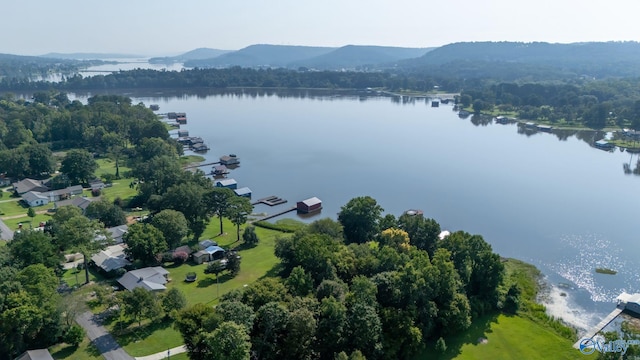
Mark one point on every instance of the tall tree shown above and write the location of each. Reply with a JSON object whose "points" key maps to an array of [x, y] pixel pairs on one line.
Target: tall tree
{"points": [[188, 199], [79, 166], [217, 200], [84, 236], [173, 226], [238, 210], [106, 212], [34, 247], [144, 243], [141, 304], [360, 218], [230, 341]]}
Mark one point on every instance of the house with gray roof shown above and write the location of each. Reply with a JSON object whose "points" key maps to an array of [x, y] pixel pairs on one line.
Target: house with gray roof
{"points": [[117, 233], [26, 185], [149, 278], [34, 198], [40, 354], [79, 201], [111, 258]]}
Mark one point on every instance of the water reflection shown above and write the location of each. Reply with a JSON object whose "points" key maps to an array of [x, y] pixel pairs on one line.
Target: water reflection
{"points": [[627, 167], [481, 120]]}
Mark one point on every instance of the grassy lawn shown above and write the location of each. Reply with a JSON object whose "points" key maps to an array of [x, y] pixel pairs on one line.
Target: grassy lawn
{"points": [[84, 351], [70, 276], [190, 159], [257, 262], [508, 337]]}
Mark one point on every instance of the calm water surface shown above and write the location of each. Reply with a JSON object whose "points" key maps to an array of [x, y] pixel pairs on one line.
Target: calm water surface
{"points": [[562, 205]]}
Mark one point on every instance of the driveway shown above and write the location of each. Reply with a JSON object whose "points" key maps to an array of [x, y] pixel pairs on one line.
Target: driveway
{"points": [[103, 341]]}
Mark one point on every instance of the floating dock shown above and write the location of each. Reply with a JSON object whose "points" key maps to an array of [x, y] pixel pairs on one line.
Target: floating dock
{"points": [[270, 200]]}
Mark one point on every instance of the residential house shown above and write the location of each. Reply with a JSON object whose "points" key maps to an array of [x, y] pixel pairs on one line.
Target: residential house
{"points": [[26, 185], [33, 198], [81, 202], [149, 278], [117, 233], [206, 243], [111, 258], [40, 354]]}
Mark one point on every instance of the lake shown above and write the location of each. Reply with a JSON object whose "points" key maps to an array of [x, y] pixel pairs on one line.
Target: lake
{"points": [[548, 199]]}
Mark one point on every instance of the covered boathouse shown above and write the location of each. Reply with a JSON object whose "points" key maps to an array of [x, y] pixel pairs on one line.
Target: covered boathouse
{"points": [[309, 205]]}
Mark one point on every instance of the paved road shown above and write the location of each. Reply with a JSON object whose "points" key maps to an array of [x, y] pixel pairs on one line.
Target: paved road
{"points": [[6, 233], [104, 342]]}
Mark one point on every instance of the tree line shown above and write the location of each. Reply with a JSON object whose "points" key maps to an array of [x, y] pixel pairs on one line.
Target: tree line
{"points": [[365, 286]]}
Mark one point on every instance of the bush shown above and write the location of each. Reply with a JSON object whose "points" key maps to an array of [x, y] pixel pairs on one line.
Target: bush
{"points": [[118, 201], [180, 257], [95, 192], [74, 335], [249, 236], [166, 257], [441, 346]]}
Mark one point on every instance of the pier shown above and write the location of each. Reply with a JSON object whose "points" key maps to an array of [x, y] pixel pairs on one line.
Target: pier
{"points": [[199, 165], [277, 214], [270, 200], [626, 302]]}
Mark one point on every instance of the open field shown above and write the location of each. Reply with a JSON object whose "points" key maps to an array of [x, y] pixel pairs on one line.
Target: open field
{"points": [[507, 337]]}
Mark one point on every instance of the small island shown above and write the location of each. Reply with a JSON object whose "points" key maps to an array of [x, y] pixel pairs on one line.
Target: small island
{"points": [[606, 271]]}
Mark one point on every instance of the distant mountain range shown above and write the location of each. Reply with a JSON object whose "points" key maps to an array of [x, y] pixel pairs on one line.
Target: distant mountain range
{"points": [[346, 57], [197, 54]]}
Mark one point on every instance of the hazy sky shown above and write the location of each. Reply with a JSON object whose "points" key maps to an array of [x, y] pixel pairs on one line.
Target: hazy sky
{"points": [[163, 27]]}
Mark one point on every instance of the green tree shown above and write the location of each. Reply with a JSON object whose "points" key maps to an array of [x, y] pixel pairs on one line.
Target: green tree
{"points": [[332, 322], [74, 335], [238, 210], [31, 213], [270, 331], [173, 226], [192, 323], [106, 212], [41, 159], [84, 236], [215, 267], [360, 218], [173, 301], [441, 345], [423, 232], [188, 199], [34, 247], [230, 341], [237, 312], [144, 243], [299, 282], [233, 264], [249, 236], [364, 329], [301, 334], [79, 166], [141, 304], [217, 200]]}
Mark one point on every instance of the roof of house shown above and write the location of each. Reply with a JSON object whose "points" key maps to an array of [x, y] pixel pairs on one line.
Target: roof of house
{"points": [[111, 258], [311, 201], [220, 168], [226, 182], [80, 201], [206, 243], [26, 185], [149, 278], [33, 196], [117, 232], [242, 191], [40, 354]]}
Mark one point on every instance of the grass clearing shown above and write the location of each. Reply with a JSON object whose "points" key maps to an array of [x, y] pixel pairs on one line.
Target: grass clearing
{"points": [[507, 337]]}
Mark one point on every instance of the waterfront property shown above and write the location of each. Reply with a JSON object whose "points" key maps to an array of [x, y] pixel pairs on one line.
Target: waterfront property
{"points": [[149, 278], [309, 205], [626, 302], [175, 115], [227, 183], [545, 128], [270, 200], [219, 170], [243, 191]]}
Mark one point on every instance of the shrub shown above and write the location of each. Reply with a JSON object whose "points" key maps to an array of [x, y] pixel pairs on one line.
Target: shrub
{"points": [[441, 346], [74, 335], [95, 192], [180, 257]]}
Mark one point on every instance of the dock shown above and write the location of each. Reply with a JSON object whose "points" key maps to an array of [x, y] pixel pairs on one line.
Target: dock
{"points": [[270, 200], [293, 208], [601, 325], [199, 165]]}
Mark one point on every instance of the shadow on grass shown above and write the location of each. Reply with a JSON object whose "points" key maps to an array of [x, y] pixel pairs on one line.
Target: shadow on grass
{"points": [[477, 331], [212, 280], [74, 352], [133, 333], [275, 271]]}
